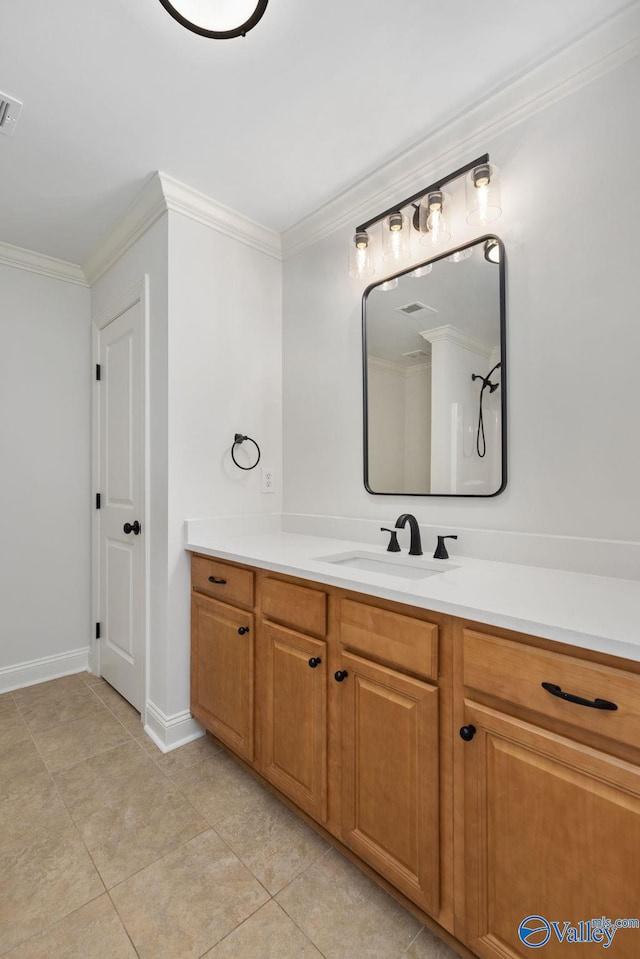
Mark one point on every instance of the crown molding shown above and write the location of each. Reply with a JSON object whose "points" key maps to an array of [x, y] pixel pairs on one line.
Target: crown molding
{"points": [[147, 207], [161, 194], [398, 369], [182, 199], [49, 266], [604, 48], [451, 334]]}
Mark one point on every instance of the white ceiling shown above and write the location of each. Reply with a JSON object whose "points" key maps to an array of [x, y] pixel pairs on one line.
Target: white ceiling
{"points": [[273, 125]]}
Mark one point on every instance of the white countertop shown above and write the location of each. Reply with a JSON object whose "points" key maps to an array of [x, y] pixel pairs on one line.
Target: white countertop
{"points": [[592, 612]]}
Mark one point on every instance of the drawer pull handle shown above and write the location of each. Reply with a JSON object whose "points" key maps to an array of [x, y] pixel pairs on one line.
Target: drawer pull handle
{"points": [[218, 582], [570, 698], [242, 630], [340, 676], [467, 733], [314, 661]]}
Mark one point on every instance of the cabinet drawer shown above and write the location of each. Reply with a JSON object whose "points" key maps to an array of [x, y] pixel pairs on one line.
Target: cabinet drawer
{"points": [[514, 673], [398, 640], [295, 606], [227, 583]]}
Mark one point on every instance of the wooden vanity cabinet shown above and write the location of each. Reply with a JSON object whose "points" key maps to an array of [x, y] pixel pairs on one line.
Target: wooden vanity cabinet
{"points": [[390, 756], [292, 692], [390, 776], [359, 752], [429, 748], [222, 653], [551, 820]]}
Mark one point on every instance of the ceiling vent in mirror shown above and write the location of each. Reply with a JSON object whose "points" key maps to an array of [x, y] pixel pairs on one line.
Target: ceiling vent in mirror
{"points": [[416, 309], [9, 113]]}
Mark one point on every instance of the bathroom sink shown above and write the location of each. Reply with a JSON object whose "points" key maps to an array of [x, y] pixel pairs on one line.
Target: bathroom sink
{"points": [[404, 567]]}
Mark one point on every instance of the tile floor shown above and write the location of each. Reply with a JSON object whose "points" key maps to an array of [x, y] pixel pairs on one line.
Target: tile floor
{"points": [[111, 850]]}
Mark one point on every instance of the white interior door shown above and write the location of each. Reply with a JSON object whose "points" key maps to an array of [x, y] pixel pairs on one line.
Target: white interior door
{"points": [[121, 484]]}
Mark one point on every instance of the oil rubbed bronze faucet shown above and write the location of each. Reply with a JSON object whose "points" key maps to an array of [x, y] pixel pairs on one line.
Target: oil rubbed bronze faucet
{"points": [[415, 545]]}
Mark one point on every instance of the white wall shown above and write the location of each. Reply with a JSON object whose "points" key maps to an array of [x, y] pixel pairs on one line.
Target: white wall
{"points": [[571, 199], [386, 396], [417, 428], [225, 376], [45, 375], [399, 441]]}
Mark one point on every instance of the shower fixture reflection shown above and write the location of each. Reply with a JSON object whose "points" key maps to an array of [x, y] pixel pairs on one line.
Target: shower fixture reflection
{"points": [[481, 443]]}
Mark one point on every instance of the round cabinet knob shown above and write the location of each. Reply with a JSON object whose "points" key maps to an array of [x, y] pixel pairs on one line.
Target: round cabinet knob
{"points": [[314, 661], [242, 630], [132, 528], [467, 733], [340, 676]]}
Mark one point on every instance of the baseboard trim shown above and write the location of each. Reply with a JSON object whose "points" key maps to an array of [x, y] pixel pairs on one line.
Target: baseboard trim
{"points": [[41, 670], [169, 732]]}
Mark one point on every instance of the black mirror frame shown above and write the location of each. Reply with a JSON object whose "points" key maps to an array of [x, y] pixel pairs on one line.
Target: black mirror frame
{"points": [[503, 369]]}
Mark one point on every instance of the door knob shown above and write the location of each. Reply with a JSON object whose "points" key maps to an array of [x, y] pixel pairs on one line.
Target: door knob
{"points": [[340, 676], [467, 733], [314, 661], [242, 630], [132, 528]]}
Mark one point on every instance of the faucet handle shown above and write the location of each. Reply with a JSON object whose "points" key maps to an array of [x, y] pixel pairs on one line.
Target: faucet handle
{"points": [[394, 546], [441, 549]]}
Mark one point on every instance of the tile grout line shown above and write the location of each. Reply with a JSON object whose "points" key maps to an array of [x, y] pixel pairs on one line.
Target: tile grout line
{"points": [[122, 922]]}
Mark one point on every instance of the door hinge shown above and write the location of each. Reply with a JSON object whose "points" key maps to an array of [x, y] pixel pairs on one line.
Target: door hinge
{"points": [[97, 630], [97, 371], [97, 500]]}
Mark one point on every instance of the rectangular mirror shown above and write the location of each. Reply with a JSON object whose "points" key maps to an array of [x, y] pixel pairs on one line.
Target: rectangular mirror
{"points": [[435, 376]]}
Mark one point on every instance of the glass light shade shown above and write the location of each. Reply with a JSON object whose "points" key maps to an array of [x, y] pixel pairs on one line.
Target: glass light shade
{"points": [[216, 18], [421, 270], [459, 255], [389, 284], [482, 186], [360, 259], [434, 219], [396, 238]]}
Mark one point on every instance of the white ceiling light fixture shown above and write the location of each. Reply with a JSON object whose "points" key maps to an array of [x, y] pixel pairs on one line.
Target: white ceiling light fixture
{"points": [[217, 19]]}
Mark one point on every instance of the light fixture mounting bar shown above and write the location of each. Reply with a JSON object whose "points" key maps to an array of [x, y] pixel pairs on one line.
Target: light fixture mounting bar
{"points": [[418, 196]]}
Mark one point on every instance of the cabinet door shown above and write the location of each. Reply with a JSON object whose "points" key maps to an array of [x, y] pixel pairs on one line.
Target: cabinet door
{"points": [[222, 672], [294, 710], [390, 776], [552, 831]]}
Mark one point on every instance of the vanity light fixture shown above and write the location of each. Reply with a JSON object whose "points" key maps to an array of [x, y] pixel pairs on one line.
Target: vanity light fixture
{"points": [[389, 284], [433, 219], [360, 260], [396, 238], [428, 212], [217, 19], [483, 195]]}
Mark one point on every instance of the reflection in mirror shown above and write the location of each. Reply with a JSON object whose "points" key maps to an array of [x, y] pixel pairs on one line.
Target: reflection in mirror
{"points": [[434, 376]]}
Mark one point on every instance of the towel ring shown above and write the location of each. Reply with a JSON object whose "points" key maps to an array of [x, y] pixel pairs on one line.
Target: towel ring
{"points": [[237, 440]]}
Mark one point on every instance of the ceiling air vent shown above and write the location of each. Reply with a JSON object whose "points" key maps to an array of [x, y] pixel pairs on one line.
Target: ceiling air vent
{"points": [[416, 309], [9, 113]]}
